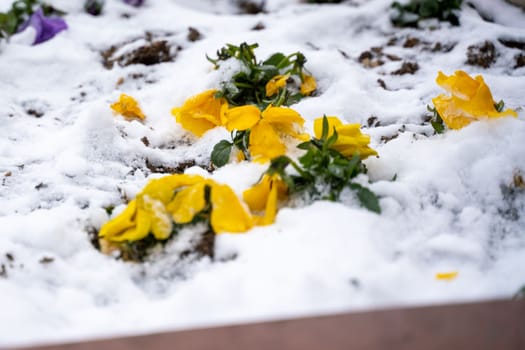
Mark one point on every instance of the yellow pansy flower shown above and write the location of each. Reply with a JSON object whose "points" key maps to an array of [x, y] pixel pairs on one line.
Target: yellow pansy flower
{"points": [[147, 212], [201, 112], [177, 198], [470, 100], [308, 84], [128, 107], [264, 196], [266, 128], [276, 83], [350, 140]]}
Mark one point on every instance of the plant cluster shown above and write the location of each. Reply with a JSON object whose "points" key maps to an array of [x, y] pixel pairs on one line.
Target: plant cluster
{"points": [[18, 15], [263, 83], [323, 172], [409, 15]]}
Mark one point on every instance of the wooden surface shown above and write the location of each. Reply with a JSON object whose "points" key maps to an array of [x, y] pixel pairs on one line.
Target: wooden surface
{"points": [[494, 325]]}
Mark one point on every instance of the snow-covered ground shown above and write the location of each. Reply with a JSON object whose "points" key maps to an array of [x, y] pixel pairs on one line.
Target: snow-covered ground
{"points": [[455, 203]]}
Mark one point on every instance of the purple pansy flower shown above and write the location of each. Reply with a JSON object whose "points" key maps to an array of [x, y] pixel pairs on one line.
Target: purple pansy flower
{"points": [[45, 27], [135, 3]]}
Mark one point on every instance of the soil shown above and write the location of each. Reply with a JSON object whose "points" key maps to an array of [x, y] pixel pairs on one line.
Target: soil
{"points": [[407, 68], [251, 7], [204, 246], [483, 55], [520, 61], [194, 34], [178, 169], [155, 51]]}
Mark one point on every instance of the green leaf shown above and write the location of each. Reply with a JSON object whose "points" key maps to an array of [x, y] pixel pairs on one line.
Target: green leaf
{"points": [[277, 165], [324, 132], [367, 198], [429, 8], [336, 171], [221, 153], [499, 106], [276, 60], [439, 128], [305, 145], [331, 140]]}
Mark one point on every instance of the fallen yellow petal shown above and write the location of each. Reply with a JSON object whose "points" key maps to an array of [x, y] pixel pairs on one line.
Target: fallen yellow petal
{"points": [[446, 276], [128, 107]]}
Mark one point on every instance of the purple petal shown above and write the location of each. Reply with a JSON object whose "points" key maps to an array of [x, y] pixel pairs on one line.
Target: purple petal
{"points": [[135, 3], [45, 27]]}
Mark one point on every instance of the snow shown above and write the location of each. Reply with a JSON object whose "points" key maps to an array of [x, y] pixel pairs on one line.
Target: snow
{"points": [[447, 209]]}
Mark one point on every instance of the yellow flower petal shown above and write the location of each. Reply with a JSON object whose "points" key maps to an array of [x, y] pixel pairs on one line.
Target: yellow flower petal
{"points": [[161, 224], [350, 140], [138, 232], [265, 142], [120, 223], [188, 203], [276, 83], [282, 115], [308, 84], [333, 122], [201, 112], [453, 116], [228, 213], [257, 195], [128, 107], [264, 196], [163, 188], [446, 276], [241, 118], [471, 100]]}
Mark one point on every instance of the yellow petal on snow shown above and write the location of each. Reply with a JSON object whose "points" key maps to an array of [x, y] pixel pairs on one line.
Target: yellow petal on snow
{"points": [[308, 84], [120, 223], [163, 188], [161, 225], [228, 213], [241, 118], [257, 195], [140, 231], [188, 203], [446, 276], [128, 107], [471, 100]]}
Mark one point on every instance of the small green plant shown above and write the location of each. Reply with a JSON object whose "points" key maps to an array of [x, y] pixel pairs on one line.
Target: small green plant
{"points": [[249, 85], [323, 172], [409, 15]]}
